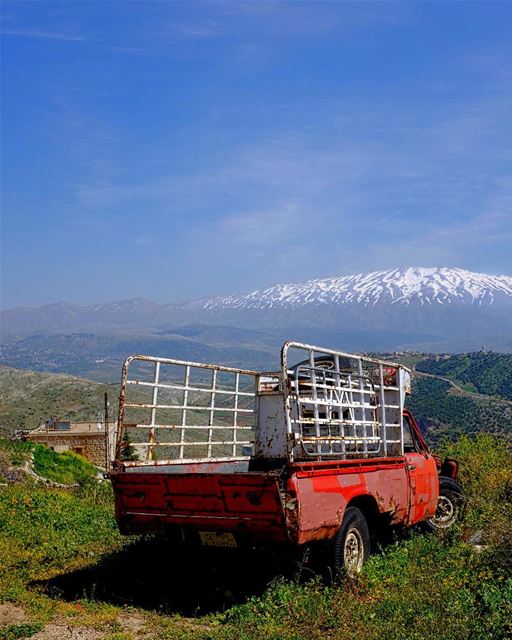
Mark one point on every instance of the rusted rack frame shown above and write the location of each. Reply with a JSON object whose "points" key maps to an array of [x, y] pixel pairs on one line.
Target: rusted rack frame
{"points": [[335, 412], [237, 434], [339, 413]]}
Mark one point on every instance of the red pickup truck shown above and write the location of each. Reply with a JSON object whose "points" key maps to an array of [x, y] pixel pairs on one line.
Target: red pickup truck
{"points": [[322, 449]]}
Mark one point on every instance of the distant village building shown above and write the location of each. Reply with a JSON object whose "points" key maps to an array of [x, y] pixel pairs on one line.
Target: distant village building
{"points": [[85, 438]]}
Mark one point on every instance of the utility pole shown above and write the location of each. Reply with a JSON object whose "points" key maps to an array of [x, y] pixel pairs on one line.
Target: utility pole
{"points": [[107, 435]]}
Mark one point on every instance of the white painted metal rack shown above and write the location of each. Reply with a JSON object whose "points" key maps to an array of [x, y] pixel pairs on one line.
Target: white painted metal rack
{"points": [[342, 405], [322, 404], [195, 412]]}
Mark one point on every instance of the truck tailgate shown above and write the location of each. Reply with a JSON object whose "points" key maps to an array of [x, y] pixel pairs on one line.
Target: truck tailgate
{"points": [[232, 502]]}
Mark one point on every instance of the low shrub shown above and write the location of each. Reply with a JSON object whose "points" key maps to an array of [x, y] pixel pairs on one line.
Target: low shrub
{"points": [[485, 471], [66, 467], [14, 452], [18, 631]]}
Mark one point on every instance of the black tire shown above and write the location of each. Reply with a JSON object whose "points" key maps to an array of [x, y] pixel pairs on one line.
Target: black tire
{"points": [[449, 507], [352, 543], [326, 362]]}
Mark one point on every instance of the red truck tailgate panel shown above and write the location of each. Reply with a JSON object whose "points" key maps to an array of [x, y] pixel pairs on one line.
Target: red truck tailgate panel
{"points": [[232, 502]]}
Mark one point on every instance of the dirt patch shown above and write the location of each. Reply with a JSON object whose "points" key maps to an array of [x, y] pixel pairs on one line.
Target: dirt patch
{"points": [[195, 625], [62, 631], [11, 614], [132, 623]]}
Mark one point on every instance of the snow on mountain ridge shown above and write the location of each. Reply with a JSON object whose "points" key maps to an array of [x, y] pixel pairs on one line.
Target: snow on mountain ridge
{"points": [[426, 285]]}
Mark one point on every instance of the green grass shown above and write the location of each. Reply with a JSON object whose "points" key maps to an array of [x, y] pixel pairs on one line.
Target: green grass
{"points": [[18, 631], [421, 587], [66, 467], [46, 532], [409, 592], [14, 452], [51, 528]]}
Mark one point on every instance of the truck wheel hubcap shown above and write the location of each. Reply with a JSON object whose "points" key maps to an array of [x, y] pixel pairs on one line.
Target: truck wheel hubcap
{"points": [[353, 552], [445, 513]]}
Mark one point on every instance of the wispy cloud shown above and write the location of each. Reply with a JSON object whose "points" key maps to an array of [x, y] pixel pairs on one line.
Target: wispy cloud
{"points": [[411, 195], [46, 35], [302, 19], [196, 31], [247, 23]]}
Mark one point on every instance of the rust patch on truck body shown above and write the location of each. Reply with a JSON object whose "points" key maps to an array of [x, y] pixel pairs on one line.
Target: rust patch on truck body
{"points": [[323, 491]]}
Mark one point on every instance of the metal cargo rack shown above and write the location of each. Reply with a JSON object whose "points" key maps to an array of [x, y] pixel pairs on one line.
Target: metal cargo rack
{"points": [[178, 411], [322, 404], [342, 405]]}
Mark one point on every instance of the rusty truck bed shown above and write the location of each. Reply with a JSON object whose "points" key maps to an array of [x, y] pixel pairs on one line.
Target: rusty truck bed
{"points": [[266, 506], [200, 497]]}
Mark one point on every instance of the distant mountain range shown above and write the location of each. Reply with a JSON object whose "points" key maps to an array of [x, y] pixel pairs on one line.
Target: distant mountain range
{"points": [[415, 308]]}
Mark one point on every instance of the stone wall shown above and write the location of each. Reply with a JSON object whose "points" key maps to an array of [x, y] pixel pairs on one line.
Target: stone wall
{"points": [[89, 445]]}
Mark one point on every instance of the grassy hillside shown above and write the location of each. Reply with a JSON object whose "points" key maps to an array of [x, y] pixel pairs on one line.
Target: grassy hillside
{"points": [[479, 400], [487, 373], [67, 467], [65, 569], [27, 398], [443, 411]]}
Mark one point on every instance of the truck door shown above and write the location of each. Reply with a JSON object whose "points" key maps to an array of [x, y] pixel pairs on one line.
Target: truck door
{"points": [[421, 473]]}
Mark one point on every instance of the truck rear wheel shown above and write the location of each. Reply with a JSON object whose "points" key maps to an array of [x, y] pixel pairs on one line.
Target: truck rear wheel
{"points": [[449, 505], [352, 543]]}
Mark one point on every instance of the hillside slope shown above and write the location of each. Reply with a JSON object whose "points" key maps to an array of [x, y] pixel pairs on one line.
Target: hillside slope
{"points": [[463, 393], [27, 398], [443, 411], [487, 373]]}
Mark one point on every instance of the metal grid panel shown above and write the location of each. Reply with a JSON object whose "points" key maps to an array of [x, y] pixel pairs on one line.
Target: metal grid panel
{"points": [[342, 405], [177, 411]]}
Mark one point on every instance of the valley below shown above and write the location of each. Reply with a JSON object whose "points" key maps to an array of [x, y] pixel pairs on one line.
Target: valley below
{"points": [[451, 395]]}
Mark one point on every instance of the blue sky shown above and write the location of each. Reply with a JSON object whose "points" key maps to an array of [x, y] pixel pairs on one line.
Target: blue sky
{"points": [[175, 150]]}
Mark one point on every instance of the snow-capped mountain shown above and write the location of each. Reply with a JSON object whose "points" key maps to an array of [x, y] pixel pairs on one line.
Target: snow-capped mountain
{"points": [[434, 308], [402, 286]]}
